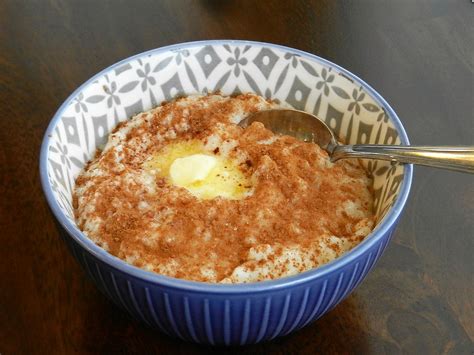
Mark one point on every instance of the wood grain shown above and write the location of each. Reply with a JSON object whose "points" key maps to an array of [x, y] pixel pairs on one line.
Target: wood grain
{"points": [[418, 55]]}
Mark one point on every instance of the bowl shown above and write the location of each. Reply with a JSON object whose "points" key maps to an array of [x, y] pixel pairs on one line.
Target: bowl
{"points": [[215, 313]]}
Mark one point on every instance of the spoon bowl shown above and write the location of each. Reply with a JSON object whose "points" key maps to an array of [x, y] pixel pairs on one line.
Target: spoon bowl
{"points": [[298, 124]]}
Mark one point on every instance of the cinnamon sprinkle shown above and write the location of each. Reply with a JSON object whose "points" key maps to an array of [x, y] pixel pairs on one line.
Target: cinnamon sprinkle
{"points": [[304, 210]]}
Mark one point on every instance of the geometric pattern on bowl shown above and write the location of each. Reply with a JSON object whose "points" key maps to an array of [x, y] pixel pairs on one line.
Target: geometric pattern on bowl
{"points": [[231, 68]]}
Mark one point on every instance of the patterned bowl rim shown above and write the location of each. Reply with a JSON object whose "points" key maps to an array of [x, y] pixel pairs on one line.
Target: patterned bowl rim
{"points": [[202, 287]]}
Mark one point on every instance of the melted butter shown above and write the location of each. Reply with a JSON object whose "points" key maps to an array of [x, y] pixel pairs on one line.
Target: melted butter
{"points": [[186, 164]]}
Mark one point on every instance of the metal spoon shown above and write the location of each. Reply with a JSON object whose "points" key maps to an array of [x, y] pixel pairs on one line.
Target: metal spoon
{"points": [[310, 128]]}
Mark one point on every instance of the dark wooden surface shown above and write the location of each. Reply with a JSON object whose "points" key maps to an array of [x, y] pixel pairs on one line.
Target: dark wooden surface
{"points": [[418, 54]]}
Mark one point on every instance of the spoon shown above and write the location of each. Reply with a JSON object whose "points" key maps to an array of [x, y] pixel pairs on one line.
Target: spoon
{"points": [[310, 128]]}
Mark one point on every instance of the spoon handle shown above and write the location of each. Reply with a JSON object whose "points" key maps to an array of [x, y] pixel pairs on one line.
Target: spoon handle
{"points": [[447, 157]]}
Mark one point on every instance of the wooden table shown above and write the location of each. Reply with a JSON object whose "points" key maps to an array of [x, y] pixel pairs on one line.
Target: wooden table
{"points": [[418, 54]]}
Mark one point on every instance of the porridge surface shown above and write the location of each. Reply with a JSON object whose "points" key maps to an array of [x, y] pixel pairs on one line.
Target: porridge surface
{"points": [[294, 210]]}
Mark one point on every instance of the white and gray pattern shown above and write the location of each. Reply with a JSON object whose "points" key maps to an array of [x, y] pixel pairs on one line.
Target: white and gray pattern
{"points": [[287, 76]]}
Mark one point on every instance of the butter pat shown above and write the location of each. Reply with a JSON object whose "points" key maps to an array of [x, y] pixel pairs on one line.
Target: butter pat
{"points": [[188, 170], [188, 165]]}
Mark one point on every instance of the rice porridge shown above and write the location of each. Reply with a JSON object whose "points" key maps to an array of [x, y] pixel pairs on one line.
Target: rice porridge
{"points": [[183, 191]]}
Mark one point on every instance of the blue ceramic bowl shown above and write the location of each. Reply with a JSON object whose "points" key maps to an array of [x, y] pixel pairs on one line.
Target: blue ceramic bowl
{"points": [[214, 313]]}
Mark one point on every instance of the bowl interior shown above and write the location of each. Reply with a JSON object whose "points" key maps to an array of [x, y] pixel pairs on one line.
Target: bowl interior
{"points": [[304, 81]]}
